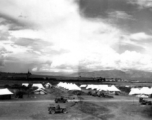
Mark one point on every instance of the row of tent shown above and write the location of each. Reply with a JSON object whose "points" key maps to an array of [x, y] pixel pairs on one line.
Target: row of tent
{"points": [[38, 85], [68, 86], [111, 88], [140, 91], [5, 93], [40, 88]]}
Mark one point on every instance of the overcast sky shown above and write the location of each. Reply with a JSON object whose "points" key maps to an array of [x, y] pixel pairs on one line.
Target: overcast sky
{"points": [[75, 35]]}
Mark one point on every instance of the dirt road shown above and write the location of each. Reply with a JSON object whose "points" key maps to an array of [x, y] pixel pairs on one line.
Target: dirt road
{"points": [[52, 101]]}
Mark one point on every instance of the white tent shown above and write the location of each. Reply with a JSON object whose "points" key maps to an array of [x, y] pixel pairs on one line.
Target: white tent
{"points": [[112, 88], [134, 91], [5, 91], [145, 90], [103, 88], [141, 91], [69, 86], [92, 87], [25, 84], [143, 96], [38, 85], [83, 86]]}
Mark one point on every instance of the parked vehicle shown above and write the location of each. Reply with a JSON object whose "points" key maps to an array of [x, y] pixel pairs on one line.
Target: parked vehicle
{"points": [[60, 100], [146, 101], [92, 92], [56, 109]]}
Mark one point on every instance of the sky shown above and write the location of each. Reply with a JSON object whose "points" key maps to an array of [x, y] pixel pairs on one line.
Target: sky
{"points": [[75, 35]]}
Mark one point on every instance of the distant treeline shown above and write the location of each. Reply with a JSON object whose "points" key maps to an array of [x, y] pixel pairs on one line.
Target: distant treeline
{"points": [[30, 77]]}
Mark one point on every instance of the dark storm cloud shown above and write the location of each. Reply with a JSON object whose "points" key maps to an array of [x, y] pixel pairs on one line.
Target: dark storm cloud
{"points": [[65, 66], [142, 4], [130, 47], [4, 35], [15, 24], [143, 42], [143, 21], [4, 51], [35, 44], [1, 61], [17, 66], [25, 41], [38, 45], [100, 9]]}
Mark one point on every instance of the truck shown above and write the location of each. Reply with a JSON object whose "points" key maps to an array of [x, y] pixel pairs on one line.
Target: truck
{"points": [[145, 101], [60, 100]]}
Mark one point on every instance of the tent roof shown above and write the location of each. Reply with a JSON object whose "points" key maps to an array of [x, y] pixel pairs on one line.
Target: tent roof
{"points": [[143, 90], [83, 85], [69, 86], [25, 84], [39, 85], [103, 87], [5, 91]]}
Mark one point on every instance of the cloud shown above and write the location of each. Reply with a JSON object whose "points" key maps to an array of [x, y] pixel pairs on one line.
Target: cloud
{"points": [[130, 47], [4, 34], [35, 44], [1, 60], [141, 3], [120, 15], [135, 60], [3, 54], [140, 36], [61, 40]]}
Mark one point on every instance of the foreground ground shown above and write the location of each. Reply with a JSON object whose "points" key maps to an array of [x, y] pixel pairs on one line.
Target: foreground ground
{"points": [[91, 108], [35, 107]]}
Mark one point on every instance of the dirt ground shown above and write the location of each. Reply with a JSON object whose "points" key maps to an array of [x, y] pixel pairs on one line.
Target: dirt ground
{"points": [[80, 111], [91, 108]]}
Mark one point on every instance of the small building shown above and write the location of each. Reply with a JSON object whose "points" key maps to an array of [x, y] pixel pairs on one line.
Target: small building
{"points": [[48, 85], [5, 94]]}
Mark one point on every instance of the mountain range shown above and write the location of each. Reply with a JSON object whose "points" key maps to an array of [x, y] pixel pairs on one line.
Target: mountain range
{"points": [[137, 75], [127, 74]]}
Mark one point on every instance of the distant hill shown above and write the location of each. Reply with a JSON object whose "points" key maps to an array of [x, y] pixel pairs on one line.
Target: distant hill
{"points": [[55, 74], [138, 75], [128, 74]]}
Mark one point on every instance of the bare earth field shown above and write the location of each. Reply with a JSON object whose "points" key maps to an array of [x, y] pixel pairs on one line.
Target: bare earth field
{"points": [[35, 107], [99, 110]]}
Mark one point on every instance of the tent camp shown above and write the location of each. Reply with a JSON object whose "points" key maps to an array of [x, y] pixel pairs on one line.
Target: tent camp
{"points": [[5, 94]]}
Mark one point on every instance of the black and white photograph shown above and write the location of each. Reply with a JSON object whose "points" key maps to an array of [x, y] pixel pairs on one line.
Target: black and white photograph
{"points": [[75, 59]]}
